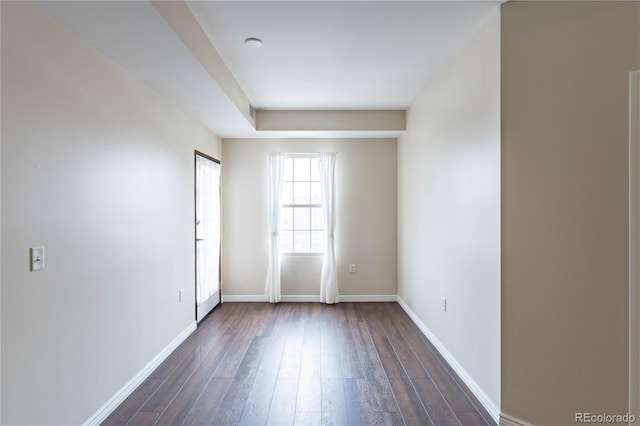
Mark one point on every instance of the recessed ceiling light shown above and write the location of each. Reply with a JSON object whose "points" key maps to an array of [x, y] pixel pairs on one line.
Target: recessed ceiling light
{"points": [[253, 42]]}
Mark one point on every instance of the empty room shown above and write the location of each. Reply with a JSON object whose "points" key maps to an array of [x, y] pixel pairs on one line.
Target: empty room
{"points": [[320, 212]]}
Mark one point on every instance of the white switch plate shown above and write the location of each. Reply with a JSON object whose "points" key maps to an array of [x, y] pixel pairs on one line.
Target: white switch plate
{"points": [[444, 304], [352, 268], [37, 258], [180, 294]]}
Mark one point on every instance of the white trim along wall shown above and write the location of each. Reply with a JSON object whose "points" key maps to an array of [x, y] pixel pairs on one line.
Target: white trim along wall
{"points": [[311, 298], [507, 420], [453, 363], [113, 403]]}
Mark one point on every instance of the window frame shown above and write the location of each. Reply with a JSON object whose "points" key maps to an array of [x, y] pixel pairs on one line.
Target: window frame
{"points": [[310, 206]]}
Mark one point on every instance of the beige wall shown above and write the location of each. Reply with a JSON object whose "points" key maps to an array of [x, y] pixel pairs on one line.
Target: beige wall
{"points": [[449, 209], [565, 73], [330, 120], [98, 168], [365, 217]]}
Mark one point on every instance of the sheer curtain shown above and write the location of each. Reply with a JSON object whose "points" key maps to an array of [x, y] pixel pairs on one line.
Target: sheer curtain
{"points": [[276, 169], [329, 278], [207, 228]]}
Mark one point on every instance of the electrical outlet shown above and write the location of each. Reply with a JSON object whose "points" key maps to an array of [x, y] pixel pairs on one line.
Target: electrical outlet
{"points": [[444, 304], [352, 268], [180, 294]]}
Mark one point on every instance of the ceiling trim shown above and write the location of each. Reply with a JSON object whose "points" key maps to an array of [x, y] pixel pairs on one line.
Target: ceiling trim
{"points": [[330, 120]]}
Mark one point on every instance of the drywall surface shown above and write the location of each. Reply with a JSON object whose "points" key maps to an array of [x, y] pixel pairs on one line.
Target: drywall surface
{"points": [[565, 135], [365, 217], [98, 169], [336, 120], [449, 208]]}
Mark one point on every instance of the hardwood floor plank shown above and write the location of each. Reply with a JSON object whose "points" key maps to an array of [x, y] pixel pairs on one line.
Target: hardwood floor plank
{"points": [[311, 342], [393, 419], [180, 406], [351, 368], [360, 403], [372, 368], [144, 419], [230, 410], [317, 311], [295, 337], [235, 355], [256, 409], [362, 337], [280, 331], [309, 396], [233, 404], [165, 393], [290, 365], [472, 419], [329, 341], [411, 407], [353, 313], [177, 356], [405, 354], [283, 405], [202, 412], [292, 348], [269, 321], [378, 382], [334, 402], [242, 315], [434, 402], [132, 404], [252, 358], [308, 419], [452, 393]]}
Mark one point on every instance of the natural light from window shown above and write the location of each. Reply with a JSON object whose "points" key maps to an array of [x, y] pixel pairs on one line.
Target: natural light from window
{"points": [[302, 229]]}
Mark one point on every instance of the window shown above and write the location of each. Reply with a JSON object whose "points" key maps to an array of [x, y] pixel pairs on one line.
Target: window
{"points": [[302, 228]]}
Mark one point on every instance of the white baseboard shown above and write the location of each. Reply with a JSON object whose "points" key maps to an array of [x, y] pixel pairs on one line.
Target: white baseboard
{"points": [[300, 298], [244, 298], [455, 365], [369, 298], [113, 403], [507, 420], [312, 298]]}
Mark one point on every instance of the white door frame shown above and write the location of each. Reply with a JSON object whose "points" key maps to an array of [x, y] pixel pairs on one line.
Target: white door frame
{"points": [[202, 309], [634, 244]]}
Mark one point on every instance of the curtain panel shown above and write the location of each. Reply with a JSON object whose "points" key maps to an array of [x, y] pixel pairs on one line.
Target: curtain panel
{"points": [[329, 277], [275, 169]]}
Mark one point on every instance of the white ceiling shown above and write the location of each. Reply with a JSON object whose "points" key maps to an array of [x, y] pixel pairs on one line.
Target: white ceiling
{"points": [[316, 54], [338, 54], [137, 38]]}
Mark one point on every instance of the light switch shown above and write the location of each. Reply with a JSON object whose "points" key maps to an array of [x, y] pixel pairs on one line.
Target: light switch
{"points": [[37, 258]]}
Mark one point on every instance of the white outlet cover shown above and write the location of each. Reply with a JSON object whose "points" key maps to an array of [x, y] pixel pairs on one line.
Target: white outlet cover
{"points": [[37, 258]]}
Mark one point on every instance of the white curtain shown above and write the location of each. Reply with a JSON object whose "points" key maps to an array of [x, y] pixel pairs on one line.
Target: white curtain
{"points": [[329, 278], [276, 169], [207, 228]]}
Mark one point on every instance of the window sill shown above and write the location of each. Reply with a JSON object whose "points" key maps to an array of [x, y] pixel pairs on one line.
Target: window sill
{"points": [[302, 254]]}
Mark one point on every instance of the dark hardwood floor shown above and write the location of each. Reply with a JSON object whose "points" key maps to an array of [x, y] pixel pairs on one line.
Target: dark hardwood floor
{"points": [[303, 364]]}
